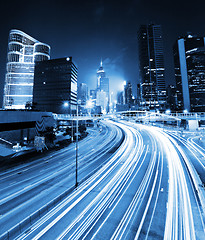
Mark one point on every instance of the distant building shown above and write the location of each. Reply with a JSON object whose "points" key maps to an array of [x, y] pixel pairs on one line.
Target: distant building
{"points": [[93, 94], [55, 86], [103, 84], [120, 98], [125, 99], [151, 56], [23, 52], [128, 94], [83, 93], [101, 100], [189, 60]]}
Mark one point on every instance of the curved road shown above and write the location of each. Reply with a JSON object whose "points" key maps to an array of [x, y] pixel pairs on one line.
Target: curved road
{"points": [[145, 188], [43, 182]]}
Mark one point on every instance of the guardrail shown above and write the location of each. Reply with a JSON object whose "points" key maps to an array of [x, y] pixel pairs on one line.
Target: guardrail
{"points": [[74, 116], [176, 116]]}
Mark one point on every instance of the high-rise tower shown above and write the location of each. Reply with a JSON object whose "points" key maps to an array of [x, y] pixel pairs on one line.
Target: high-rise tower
{"points": [[102, 80], [151, 56], [103, 85], [189, 61], [83, 93], [55, 85], [23, 52]]}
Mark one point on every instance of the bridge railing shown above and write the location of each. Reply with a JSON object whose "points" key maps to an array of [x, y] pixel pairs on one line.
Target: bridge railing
{"points": [[75, 116], [176, 116], [137, 114]]}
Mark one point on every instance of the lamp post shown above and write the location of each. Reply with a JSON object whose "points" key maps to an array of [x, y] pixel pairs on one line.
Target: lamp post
{"points": [[76, 159], [66, 105]]}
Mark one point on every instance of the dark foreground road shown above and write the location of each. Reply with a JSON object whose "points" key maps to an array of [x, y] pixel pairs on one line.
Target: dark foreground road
{"points": [[136, 182]]}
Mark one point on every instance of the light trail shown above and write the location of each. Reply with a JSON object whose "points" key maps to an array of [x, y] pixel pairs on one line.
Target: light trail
{"points": [[178, 194], [88, 184], [126, 149], [46, 177], [126, 188], [117, 186]]}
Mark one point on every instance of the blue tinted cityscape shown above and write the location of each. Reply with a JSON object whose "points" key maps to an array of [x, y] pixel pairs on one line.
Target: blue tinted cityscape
{"points": [[102, 120]]}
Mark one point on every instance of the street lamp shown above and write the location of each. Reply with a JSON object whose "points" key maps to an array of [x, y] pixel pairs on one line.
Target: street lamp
{"points": [[185, 111], [168, 111], [66, 105], [76, 159]]}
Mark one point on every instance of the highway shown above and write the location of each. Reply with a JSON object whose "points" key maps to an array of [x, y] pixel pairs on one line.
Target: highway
{"points": [[135, 182]]}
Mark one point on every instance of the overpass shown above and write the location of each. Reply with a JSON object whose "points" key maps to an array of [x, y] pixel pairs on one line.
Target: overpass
{"points": [[137, 115]]}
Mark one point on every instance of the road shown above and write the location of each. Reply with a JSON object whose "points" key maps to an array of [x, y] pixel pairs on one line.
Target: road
{"points": [[136, 182]]}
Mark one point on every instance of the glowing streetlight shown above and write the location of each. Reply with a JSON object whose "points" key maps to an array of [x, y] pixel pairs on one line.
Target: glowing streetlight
{"points": [[185, 111], [66, 104], [89, 104], [168, 111]]}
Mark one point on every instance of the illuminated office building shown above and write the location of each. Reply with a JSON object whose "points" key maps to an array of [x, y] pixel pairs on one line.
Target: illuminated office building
{"points": [[189, 60], [128, 94], [55, 86], [101, 100], [151, 56], [23, 52], [103, 85], [83, 93]]}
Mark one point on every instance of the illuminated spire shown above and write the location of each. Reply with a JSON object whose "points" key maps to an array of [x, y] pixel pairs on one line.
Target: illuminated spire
{"points": [[100, 70]]}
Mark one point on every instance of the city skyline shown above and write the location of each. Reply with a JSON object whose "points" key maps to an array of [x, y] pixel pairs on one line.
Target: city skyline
{"points": [[103, 122], [99, 30]]}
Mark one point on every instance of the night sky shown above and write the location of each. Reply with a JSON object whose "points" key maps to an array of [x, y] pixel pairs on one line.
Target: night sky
{"points": [[91, 30]]}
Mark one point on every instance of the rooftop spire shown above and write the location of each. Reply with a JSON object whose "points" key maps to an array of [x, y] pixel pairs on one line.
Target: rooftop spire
{"points": [[101, 62]]}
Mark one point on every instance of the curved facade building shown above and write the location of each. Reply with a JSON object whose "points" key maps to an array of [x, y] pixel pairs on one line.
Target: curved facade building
{"points": [[23, 52]]}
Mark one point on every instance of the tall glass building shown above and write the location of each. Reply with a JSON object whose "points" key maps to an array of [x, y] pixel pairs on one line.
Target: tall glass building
{"points": [[151, 57], [189, 63], [55, 86], [83, 93], [23, 52], [103, 85]]}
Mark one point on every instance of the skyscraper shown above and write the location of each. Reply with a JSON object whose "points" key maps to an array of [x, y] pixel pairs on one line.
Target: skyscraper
{"points": [[151, 56], [128, 94], [55, 86], [103, 85], [83, 93], [23, 52], [189, 60], [102, 80]]}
